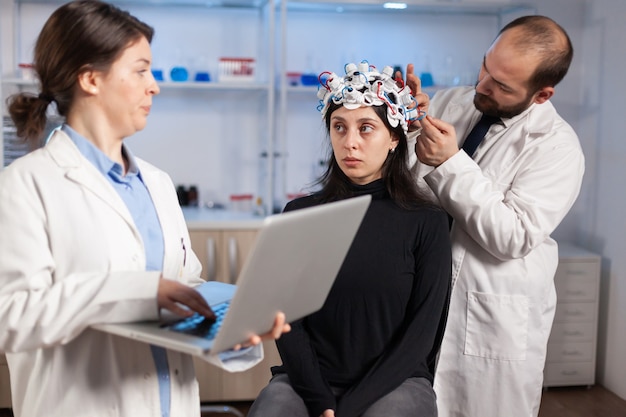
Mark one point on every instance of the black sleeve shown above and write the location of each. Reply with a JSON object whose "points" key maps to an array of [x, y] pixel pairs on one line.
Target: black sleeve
{"points": [[420, 338]]}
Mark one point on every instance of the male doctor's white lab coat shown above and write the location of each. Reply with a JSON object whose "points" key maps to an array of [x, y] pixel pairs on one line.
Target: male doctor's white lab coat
{"points": [[505, 202], [71, 256]]}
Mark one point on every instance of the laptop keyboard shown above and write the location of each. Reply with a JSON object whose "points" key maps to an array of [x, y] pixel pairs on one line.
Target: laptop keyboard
{"points": [[198, 325]]}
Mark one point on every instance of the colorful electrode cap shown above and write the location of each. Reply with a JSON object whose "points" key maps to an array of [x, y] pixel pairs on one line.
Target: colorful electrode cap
{"points": [[363, 85]]}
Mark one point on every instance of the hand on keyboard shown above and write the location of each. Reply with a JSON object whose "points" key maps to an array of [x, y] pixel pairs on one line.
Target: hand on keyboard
{"points": [[201, 326]]}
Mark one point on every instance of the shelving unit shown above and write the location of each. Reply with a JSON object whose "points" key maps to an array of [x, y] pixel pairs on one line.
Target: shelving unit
{"points": [[262, 90]]}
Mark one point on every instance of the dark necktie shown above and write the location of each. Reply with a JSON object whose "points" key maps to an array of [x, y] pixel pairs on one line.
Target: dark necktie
{"points": [[478, 133]]}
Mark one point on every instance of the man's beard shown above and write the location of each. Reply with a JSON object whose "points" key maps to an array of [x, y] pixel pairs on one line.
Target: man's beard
{"points": [[490, 107]]}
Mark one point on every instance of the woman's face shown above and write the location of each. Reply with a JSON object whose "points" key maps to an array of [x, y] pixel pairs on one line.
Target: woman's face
{"points": [[126, 90], [361, 143]]}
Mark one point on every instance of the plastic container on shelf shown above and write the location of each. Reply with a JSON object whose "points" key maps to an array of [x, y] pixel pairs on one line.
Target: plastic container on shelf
{"points": [[241, 202], [192, 196], [427, 79], [236, 69], [200, 69], [179, 74], [309, 79], [202, 76], [26, 71], [293, 78], [259, 209]]}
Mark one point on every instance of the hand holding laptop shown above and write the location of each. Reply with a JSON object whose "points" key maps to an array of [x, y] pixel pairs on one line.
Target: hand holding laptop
{"points": [[280, 327]]}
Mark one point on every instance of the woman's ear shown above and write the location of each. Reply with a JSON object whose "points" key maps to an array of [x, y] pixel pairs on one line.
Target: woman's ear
{"points": [[394, 142], [87, 81]]}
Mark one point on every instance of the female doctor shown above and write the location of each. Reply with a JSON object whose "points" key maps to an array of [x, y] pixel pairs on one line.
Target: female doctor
{"points": [[92, 234]]}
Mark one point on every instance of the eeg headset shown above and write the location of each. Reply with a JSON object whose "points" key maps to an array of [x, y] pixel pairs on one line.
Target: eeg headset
{"points": [[363, 85]]}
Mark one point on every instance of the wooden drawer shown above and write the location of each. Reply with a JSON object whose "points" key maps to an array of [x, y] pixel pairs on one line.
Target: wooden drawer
{"points": [[570, 352], [576, 270], [573, 332], [5, 385], [569, 373], [575, 312], [576, 290]]}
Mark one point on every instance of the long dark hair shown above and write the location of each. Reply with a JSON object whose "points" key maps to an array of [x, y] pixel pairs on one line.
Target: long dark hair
{"points": [[78, 36], [398, 180]]}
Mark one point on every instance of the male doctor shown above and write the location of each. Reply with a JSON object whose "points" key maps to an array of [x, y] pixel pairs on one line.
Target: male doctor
{"points": [[504, 200]]}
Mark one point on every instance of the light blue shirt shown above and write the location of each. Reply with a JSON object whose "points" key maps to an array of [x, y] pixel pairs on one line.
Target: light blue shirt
{"points": [[135, 195]]}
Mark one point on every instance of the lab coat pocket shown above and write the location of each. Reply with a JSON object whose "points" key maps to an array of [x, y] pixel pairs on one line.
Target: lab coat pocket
{"points": [[497, 326]]}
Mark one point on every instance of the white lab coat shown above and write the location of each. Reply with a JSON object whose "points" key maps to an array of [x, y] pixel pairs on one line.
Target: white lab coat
{"points": [[71, 256], [505, 204]]}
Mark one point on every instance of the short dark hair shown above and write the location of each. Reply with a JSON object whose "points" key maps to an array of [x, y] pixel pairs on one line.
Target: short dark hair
{"points": [[78, 36], [545, 37]]}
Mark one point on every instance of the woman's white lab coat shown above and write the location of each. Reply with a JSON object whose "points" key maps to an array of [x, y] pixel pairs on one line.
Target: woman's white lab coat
{"points": [[505, 202], [71, 256]]}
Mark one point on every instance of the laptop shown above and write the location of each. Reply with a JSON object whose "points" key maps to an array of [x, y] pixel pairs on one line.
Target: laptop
{"points": [[291, 268]]}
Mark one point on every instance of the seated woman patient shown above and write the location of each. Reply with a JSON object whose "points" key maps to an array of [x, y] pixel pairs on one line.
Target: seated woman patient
{"points": [[370, 350]]}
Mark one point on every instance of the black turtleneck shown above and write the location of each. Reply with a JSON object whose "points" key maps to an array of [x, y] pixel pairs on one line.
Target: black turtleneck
{"points": [[383, 319]]}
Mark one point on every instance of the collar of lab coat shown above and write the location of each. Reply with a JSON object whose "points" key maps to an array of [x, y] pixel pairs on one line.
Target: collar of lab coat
{"points": [[79, 170], [538, 119]]}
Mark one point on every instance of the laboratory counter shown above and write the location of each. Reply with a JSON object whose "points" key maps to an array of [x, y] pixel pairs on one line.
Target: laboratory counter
{"points": [[200, 218]]}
